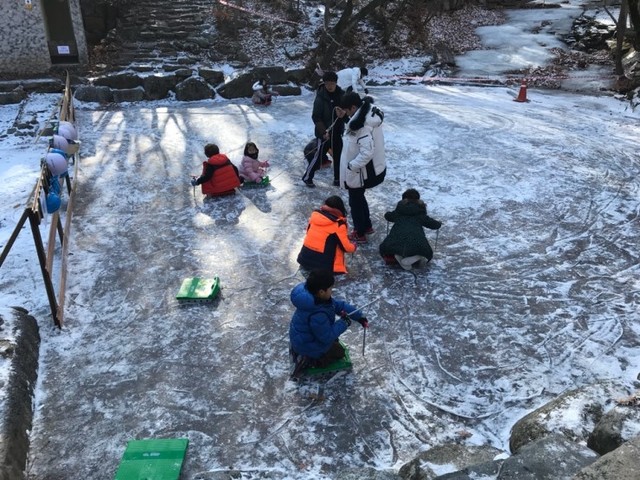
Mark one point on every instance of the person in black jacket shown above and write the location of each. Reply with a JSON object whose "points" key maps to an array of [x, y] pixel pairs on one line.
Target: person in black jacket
{"points": [[406, 242], [328, 119]]}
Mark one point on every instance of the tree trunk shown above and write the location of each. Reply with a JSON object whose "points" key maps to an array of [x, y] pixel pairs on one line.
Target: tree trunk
{"points": [[621, 29], [634, 15]]}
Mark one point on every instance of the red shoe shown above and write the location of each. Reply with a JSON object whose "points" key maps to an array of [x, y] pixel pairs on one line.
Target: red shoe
{"points": [[325, 164], [360, 239], [369, 231], [389, 259]]}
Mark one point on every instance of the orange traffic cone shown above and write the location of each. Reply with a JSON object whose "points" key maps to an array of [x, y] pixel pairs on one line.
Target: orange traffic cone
{"points": [[522, 95]]}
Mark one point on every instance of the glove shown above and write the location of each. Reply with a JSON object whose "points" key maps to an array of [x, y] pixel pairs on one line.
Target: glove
{"points": [[364, 322], [345, 316], [366, 91], [194, 182]]}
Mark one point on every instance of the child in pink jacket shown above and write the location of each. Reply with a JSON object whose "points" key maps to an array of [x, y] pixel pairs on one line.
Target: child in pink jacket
{"points": [[252, 169]]}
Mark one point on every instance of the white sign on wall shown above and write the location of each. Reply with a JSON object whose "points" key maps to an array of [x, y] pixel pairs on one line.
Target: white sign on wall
{"points": [[64, 50]]}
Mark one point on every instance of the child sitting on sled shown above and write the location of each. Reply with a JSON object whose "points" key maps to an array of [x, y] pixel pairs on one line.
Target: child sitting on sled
{"points": [[262, 93], [252, 169], [219, 176], [406, 243], [314, 329]]}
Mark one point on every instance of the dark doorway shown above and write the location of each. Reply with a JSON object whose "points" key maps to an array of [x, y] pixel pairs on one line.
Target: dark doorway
{"points": [[60, 36]]}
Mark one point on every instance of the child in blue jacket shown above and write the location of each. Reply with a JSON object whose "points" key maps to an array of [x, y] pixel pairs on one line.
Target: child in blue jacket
{"points": [[314, 330]]}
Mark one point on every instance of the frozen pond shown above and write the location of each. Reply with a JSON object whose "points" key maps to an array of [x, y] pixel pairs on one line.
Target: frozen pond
{"points": [[533, 288]]}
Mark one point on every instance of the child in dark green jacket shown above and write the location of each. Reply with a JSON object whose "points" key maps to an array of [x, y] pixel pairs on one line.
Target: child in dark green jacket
{"points": [[406, 242]]}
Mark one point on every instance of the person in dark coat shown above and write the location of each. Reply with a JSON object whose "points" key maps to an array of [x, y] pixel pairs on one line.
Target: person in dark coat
{"points": [[406, 242], [314, 329], [328, 120]]}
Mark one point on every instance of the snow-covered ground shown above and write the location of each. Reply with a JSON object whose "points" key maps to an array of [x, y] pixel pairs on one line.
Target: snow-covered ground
{"points": [[533, 289]]}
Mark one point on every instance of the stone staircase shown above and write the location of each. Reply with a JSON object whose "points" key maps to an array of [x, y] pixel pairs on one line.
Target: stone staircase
{"points": [[152, 33]]}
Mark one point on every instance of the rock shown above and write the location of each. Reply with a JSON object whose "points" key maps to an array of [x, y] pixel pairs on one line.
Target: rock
{"points": [[553, 457], [128, 95], [17, 420], [44, 85], [274, 75], [454, 456], [193, 88], [183, 72], [621, 464], [15, 96], [473, 472], [287, 90], [367, 474], [617, 426], [297, 75], [119, 81], [239, 87], [89, 93], [213, 77], [588, 403], [158, 86]]}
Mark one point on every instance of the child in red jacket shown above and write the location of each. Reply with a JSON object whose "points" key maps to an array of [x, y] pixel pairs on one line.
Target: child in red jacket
{"points": [[219, 176]]}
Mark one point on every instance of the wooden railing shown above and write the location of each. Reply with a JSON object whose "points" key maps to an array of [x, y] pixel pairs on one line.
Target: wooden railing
{"points": [[35, 212]]}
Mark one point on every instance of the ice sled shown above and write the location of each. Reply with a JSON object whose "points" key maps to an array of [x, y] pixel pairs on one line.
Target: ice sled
{"points": [[157, 459], [197, 290], [324, 372], [264, 183]]}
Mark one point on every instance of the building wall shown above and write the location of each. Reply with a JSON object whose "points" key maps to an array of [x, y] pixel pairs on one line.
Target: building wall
{"points": [[23, 37]]}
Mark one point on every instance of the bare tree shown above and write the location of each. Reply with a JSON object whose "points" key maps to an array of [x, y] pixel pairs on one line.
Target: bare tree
{"points": [[634, 15], [621, 30]]}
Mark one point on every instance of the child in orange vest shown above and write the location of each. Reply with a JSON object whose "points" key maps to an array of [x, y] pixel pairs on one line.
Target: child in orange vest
{"points": [[219, 176], [327, 240]]}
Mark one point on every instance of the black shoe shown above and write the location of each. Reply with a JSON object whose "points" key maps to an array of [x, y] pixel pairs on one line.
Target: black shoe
{"points": [[309, 183], [336, 183]]}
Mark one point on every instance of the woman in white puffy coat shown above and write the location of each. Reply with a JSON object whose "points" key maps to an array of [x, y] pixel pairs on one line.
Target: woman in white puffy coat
{"points": [[362, 164]]}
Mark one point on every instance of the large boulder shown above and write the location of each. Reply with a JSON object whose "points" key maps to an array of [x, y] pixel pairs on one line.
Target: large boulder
{"points": [[616, 427], [273, 75], [128, 95], [14, 96], [287, 90], [193, 88], [157, 87], [89, 93], [452, 456], [43, 85], [550, 458], [621, 464], [588, 403], [239, 87], [553, 457], [119, 81], [213, 77]]}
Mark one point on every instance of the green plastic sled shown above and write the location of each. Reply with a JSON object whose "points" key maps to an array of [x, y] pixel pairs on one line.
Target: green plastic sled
{"points": [[152, 459], [198, 290], [264, 183], [343, 364]]}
